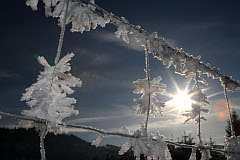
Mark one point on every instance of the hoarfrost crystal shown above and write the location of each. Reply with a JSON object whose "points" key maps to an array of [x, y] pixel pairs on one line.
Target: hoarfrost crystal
{"points": [[48, 96], [198, 100], [123, 30], [81, 15], [152, 147], [158, 148], [140, 145], [142, 87]]}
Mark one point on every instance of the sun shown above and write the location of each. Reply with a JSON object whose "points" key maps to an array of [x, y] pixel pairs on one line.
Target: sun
{"points": [[181, 101]]}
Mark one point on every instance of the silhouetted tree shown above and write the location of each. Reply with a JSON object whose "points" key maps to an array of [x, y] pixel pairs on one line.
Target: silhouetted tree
{"points": [[236, 124]]}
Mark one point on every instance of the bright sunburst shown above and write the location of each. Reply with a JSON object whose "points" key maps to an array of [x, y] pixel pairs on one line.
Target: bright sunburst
{"points": [[181, 101]]}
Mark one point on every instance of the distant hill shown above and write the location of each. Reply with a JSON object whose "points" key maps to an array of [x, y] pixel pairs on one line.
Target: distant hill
{"points": [[22, 144]]}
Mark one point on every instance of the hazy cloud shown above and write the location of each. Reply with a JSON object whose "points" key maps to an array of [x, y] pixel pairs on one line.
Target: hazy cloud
{"points": [[8, 74], [111, 38], [92, 58]]}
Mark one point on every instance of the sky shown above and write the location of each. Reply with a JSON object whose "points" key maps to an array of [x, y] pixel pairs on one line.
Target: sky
{"points": [[108, 66]]}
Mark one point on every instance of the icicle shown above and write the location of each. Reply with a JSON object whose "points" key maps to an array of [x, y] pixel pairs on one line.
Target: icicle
{"points": [[42, 134], [193, 154], [98, 140], [61, 35]]}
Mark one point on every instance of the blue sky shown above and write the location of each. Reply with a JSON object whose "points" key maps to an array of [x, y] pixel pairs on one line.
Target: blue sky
{"points": [[108, 66]]}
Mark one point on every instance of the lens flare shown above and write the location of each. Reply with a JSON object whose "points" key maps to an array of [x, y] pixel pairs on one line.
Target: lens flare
{"points": [[220, 109]]}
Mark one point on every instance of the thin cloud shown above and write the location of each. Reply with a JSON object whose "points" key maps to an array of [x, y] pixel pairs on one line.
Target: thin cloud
{"points": [[8, 74], [109, 37], [93, 58]]}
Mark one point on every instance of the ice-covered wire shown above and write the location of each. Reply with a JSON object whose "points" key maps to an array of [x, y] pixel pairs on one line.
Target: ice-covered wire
{"points": [[62, 34], [88, 128], [199, 114], [43, 132], [229, 110], [147, 70], [203, 68]]}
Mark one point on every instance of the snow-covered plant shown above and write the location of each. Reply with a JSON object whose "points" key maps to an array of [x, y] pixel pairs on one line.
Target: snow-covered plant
{"points": [[153, 146], [142, 87], [199, 100], [232, 144], [81, 15], [47, 98]]}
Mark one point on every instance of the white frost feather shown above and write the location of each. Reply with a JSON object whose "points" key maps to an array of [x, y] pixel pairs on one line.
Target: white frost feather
{"points": [[48, 96], [155, 88], [199, 99], [144, 144]]}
